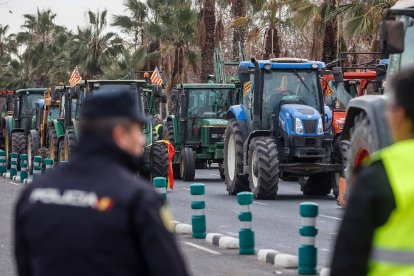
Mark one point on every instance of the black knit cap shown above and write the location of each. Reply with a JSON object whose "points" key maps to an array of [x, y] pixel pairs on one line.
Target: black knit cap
{"points": [[106, 104]]}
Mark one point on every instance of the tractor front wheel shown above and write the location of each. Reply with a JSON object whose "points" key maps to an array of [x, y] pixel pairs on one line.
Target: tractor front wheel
{"points": [[159, 160], [30, 154], [61, 152], [18, 142], [233, 159], [53, 146], [263, 168], [187, 164]]}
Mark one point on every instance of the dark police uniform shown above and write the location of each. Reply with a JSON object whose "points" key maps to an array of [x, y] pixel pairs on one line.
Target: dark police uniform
{"points": [[93, 216]]}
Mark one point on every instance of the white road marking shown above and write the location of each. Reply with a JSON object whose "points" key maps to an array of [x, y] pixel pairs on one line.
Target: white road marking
{"points": [[203, 248], [259, 203], [16, 184], [335, 218], [185, 189]]}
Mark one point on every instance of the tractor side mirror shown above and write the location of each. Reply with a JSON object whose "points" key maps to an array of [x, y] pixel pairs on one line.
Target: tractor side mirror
{"points": [[244, 74], [338, 75], [392, 37]]}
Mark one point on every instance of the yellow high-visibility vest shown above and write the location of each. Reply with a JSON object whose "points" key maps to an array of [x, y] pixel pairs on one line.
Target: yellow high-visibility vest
{"points": [[393, 244]]}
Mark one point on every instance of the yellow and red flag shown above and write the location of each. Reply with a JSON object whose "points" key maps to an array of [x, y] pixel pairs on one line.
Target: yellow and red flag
{"points": [[156, 77], [75, 78], [247, 86]]}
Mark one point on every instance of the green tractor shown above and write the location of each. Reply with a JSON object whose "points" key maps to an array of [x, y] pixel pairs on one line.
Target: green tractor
{"points": [[18, 125], [42, 139], [196, 127], [156, 152], [6, 109]]}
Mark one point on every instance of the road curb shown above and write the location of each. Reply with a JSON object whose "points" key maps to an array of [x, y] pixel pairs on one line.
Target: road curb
{"points": [[222, 241], [326, 271], [277, 258], [181, 228]]}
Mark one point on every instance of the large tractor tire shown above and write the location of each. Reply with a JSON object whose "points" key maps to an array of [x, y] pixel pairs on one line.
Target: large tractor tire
{"points": [[263, 168], [319, 184], [18, 142], [361, 146], [70, 142], [187, 164], [61, 152], [159, 160], [169, 133], [30, 154], [53, 146], [233, 159]]}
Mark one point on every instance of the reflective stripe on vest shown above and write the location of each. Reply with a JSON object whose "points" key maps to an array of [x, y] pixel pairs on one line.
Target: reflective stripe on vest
{"points": [[393, 243]]}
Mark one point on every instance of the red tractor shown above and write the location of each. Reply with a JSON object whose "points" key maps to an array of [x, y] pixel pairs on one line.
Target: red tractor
{"points": [[339, 88]]}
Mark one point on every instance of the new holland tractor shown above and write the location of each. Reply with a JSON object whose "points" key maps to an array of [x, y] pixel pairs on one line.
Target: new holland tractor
{"points": [[196, 127], [280, 128], [17, 126], [365, 130], [42, 138]]}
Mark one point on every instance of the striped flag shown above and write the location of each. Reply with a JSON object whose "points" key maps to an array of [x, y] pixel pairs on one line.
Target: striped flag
{"points": [[247, 86], [75, 78], [156, 77]]}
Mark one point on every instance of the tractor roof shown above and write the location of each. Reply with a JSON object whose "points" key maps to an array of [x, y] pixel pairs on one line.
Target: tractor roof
{"points": [[206, 86], [286, 63], [117, 81], [31, 90]]}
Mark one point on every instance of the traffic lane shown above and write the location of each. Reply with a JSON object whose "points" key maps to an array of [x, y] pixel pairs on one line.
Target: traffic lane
{"points": [[203, 259], [275, 222], [9, 192]]}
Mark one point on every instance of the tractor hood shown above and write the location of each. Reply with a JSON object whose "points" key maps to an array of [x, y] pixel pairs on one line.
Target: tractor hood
{"points": [[213, 123], [308, 116]]}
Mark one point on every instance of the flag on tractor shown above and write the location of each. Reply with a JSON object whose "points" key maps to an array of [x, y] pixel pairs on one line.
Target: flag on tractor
{"points": [[156, 77], [247, 86], [75, 78]]}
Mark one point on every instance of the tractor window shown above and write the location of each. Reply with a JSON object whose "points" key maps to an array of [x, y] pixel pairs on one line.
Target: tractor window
{"points": [[27, 104], [339, 98], [290, 86], [209, 103], [54, 113]]}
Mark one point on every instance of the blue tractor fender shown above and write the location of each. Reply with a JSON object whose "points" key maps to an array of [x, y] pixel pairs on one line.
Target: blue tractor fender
{"points": [[373, 107], [241, 115]]}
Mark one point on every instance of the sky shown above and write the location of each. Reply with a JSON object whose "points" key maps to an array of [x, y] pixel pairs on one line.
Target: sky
{"points": [[68, 13]]}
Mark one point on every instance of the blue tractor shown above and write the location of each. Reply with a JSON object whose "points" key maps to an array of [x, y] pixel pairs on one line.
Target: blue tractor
{"points": [[281, 129]]}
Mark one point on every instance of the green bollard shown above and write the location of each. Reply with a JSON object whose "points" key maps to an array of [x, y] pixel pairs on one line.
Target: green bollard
{"points": [[48, 164], [13, 164], [23, 167], [198, 205], [3, 162], [37, 166], [308, 253], [160, 186], [246, 234]]}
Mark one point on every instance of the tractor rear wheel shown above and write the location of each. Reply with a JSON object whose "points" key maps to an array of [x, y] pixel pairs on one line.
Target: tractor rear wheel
{"points": [[159, 160], [233, 159], [30, 154], [70, 142], [53, 146], [317, 184], [18, 142], [361, 146], [187, 164], [263, 168]]}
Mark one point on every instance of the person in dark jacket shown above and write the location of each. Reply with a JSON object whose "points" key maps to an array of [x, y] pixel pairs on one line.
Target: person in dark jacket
{"points": [[94, 216], [375, 237]]}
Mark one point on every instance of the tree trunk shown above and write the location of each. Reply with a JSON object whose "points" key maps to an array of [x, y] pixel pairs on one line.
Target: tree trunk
{"points": [[239, 33], [207, 41], [272, 48], [330, 42]]}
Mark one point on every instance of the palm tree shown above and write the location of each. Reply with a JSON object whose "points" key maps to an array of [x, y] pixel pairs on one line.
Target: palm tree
{"points": [[93, 49], [177, 33], [363, 19], [206, 33]]}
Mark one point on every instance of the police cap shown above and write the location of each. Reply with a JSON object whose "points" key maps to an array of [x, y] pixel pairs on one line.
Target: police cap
{"points": [[106, 104]]}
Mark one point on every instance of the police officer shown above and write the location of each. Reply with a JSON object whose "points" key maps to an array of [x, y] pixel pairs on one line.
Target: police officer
{"points": [[376, 235], [93, 216]]}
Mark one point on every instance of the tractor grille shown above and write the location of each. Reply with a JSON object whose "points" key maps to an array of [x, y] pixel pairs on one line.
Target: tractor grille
{"points": [[310, 142], [310, 126], [217, 134]]}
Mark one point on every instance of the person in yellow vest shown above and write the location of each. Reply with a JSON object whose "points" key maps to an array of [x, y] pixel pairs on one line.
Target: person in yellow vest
{"points": [[376, 236]]}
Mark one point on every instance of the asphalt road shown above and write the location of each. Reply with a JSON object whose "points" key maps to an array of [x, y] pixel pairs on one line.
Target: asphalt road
{"points": [[275, 222]]}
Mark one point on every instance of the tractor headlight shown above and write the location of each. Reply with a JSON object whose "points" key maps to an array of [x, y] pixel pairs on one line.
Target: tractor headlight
{"points": [[320, 126], [298, 126]]}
